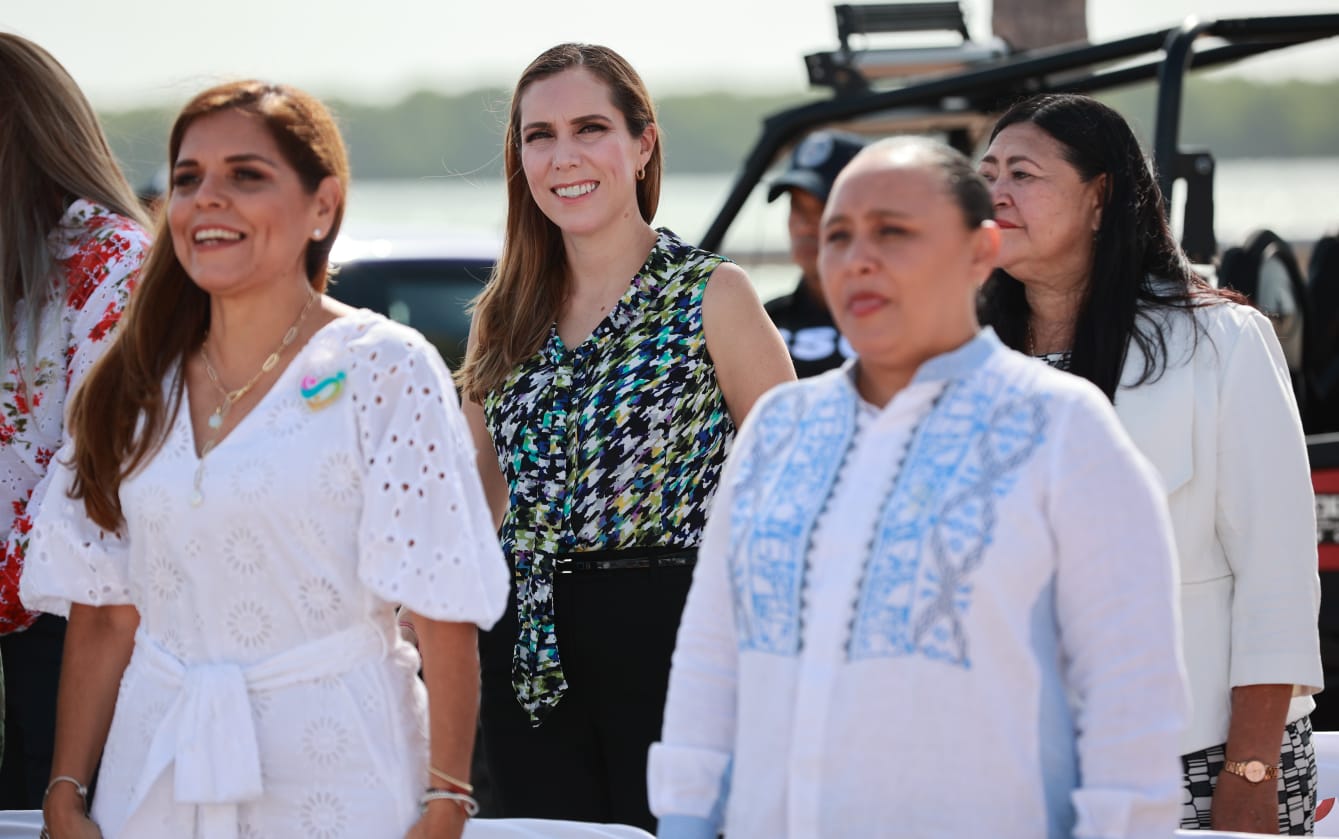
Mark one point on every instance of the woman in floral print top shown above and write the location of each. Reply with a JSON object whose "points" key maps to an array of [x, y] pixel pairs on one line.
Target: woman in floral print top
{"points": [[608, 367], [97, 253], [71, 241]]}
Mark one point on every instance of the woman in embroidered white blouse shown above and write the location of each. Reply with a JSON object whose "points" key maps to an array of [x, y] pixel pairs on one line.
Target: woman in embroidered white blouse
{"points": [[934, 594], [257, 475]]}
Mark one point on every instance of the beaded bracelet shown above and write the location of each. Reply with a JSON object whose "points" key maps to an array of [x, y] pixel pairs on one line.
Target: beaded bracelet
{"points": [[465, 801]]}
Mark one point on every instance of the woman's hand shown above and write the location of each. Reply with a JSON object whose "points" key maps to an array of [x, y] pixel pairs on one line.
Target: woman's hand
{"points": [[1243, 807], [1255, 732], [441, 820], [82, 828], [64, 817]]}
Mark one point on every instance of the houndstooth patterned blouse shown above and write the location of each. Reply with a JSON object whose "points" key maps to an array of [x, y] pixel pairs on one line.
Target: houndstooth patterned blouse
{"points": [[616, 443]]}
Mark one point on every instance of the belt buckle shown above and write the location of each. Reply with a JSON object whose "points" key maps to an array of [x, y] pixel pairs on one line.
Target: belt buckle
{"points": [[567, 565]]}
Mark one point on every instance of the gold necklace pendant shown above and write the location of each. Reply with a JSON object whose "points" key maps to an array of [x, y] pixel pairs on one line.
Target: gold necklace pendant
{"points": [[216, 419]]}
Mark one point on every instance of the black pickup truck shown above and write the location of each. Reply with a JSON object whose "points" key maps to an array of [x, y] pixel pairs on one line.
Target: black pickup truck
{"points": [[956, 93]]}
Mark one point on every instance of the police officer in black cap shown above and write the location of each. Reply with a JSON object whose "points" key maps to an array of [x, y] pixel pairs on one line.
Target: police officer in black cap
{"points": [[802, 316]]}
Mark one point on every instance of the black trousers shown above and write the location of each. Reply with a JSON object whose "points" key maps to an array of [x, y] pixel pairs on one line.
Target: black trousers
{"points": [[587, 761], [32, 673]]}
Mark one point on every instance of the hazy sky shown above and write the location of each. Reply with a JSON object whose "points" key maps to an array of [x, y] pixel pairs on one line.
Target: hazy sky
{"points": [[152, 51]]}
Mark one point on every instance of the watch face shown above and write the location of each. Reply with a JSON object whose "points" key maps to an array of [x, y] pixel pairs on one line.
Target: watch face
{"points": [[1255, 771]]}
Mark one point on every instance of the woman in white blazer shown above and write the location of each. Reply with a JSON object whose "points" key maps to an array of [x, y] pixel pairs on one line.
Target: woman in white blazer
{"points": [[1092, 281]]}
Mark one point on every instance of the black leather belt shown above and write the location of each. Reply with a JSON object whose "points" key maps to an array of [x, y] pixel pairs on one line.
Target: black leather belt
{"points": [[627, 559]]}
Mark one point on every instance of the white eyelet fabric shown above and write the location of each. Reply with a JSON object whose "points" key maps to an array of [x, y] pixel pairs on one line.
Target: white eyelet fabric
{"points": [[350, 487]]}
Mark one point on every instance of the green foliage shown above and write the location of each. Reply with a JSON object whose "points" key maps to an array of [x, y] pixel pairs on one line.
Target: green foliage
{"points": [[428, 134], [1237, 118], [139, 139], [712, 132]]}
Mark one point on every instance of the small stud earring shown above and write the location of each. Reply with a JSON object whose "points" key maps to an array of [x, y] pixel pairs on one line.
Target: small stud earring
{"points": [[316, 234]]}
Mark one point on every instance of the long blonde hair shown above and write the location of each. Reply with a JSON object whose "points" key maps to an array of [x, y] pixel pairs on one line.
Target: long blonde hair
{"points": [[120, 414], [52, 150], [513, 313]]}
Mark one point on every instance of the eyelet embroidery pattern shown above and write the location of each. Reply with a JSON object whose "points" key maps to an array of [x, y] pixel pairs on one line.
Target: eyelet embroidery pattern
{"points": [[250, 625], [165, 579], [253, 481], [339, 478], [255, 578], [158, 509], [320, 599], [244, 551], [287, 418], [323, 815], [325, 742]]}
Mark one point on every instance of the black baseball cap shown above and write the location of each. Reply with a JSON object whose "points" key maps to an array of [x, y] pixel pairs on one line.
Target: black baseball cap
{"points": [[815, 163]]}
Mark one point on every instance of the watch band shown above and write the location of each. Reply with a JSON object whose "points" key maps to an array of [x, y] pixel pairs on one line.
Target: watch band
{"points": [[1255, 771]]}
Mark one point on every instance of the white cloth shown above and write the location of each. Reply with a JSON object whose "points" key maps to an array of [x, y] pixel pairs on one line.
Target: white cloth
{"points": [[947, 619], [1221, 427], [270, 607], [25, 824]]}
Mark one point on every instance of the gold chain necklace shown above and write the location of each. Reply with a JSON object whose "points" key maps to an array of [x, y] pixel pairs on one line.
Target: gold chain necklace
{"points": [[230, 397]]}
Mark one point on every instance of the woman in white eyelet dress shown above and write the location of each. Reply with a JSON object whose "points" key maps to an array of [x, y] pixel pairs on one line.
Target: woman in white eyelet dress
{"points": [[268, 693], [321, 519]]}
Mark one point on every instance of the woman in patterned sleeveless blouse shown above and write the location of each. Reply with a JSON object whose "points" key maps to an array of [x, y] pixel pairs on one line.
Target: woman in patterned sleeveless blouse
{"points": [[608, 366], [71, 242]]}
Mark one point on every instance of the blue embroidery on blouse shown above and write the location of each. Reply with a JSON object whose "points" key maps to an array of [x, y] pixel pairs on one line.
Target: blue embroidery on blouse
{"points": [[940, 519], [785, 482], [935, 527]]}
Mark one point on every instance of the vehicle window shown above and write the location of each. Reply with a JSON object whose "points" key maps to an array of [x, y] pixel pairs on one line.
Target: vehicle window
{"points": [[432, 296]]}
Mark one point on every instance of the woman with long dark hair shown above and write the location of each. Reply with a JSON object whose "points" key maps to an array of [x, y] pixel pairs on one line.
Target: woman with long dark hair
{"points": [[258, 474], [608, 365], [1091, 279], [72, 239]]}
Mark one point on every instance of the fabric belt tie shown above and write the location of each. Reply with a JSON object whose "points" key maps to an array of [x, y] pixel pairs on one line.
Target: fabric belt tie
{"points": [[208, 731], [537, 675]]}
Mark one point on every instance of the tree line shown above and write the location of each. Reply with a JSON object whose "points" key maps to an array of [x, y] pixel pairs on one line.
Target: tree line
{"points": [[428, 133]]}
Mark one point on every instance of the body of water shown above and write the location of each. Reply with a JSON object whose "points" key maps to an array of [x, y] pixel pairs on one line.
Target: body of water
{"points": [[1297, 198]]}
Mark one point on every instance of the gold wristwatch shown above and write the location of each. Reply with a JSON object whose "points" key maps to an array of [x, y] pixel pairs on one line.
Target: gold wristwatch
{"points": [[1254, 771]]}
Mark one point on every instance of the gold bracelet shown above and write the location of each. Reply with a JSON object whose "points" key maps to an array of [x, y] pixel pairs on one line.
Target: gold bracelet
{"points": [[455, 782], [462, 800], [66, 779]]}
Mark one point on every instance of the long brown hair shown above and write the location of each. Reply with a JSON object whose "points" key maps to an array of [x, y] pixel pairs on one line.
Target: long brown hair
{"points": [[513, 313], [120, 415], [52, 150]]}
